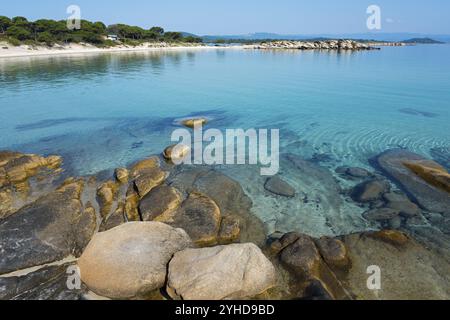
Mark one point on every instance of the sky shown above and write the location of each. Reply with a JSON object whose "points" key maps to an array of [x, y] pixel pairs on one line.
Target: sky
{"points": [[220, 17]]}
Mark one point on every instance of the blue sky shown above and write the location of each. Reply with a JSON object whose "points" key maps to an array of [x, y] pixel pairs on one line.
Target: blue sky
{"points": [[248, 16]]}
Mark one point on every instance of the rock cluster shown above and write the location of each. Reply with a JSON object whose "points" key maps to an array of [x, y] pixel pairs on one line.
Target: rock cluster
{"points": [[314, 45]]}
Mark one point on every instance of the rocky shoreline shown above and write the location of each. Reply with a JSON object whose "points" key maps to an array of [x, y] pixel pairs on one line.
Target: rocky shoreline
{"points": [[162, 231], [344, 45]]}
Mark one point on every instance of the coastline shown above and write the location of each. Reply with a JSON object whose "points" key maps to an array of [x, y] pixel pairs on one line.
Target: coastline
{"points": [[28, 51]]}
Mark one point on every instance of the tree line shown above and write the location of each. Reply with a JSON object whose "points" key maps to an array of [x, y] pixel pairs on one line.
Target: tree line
{"points": [[18, 30]]}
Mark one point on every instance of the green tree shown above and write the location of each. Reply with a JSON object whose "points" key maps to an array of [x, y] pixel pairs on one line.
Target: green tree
{"points": [[46, 37], [19, 33], [5, 23], [173, 36], [20, 22], [157, 30]]}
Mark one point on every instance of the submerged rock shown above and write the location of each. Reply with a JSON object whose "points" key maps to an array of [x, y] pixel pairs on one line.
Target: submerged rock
{"points": [[431, 172], [382, 214], [370, 190], [192, 123], [236, 271], [354, 172], [279, 187], [401, 203], [130, 260], [48, 230], [427, 195]]}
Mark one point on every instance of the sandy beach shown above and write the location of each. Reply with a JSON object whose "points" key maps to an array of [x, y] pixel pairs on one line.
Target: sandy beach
{"points": [[9, 51]]}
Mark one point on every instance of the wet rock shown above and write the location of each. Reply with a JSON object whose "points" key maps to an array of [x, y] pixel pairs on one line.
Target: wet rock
{"points": [[226, 193], [401, 203], [131, 204], [381, 214], [431, 172], [122, 175], [334, 253], [116, 219], [426, 270], [200, 217], [48, 283], [354, 172], [148, 180], [284, 241], [393, 237], [177, 153], [395, 223], [279, 187], [191, 123], [19, 168], [303, 260], [6, 203], [230, 230], [106, 195], [428, 196], [370, 190], [316, 290], [143, 165], [160, 204], [130, 260], [302, 257], [50, 229], [236, 271]]}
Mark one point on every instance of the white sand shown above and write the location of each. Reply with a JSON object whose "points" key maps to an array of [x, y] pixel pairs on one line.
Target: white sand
{"points": [[9, 51]]}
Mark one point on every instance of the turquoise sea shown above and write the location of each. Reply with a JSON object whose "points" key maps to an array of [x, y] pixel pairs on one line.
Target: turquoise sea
{"points": [[102, 111]]}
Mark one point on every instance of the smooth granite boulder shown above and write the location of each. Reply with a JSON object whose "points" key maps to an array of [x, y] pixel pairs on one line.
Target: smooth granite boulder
{"points": [[130, 260], [236, 271], [50, 229]]}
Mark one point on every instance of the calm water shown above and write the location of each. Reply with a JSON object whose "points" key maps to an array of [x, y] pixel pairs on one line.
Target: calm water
{"points": [[105, 111]]}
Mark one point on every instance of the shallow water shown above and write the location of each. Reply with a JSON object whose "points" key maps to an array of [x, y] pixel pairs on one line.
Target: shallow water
{"points": [[102, 111]]}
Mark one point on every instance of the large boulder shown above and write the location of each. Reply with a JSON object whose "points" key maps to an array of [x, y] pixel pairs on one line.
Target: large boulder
{"points": [[50, 229], [429, 196], [235, 271], [409, 270], [130, 260], [225, 192], [200, 217]]}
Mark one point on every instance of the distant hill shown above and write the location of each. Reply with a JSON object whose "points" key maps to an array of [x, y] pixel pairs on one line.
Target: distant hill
{"points": [[422, 41], [376, 36]]}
